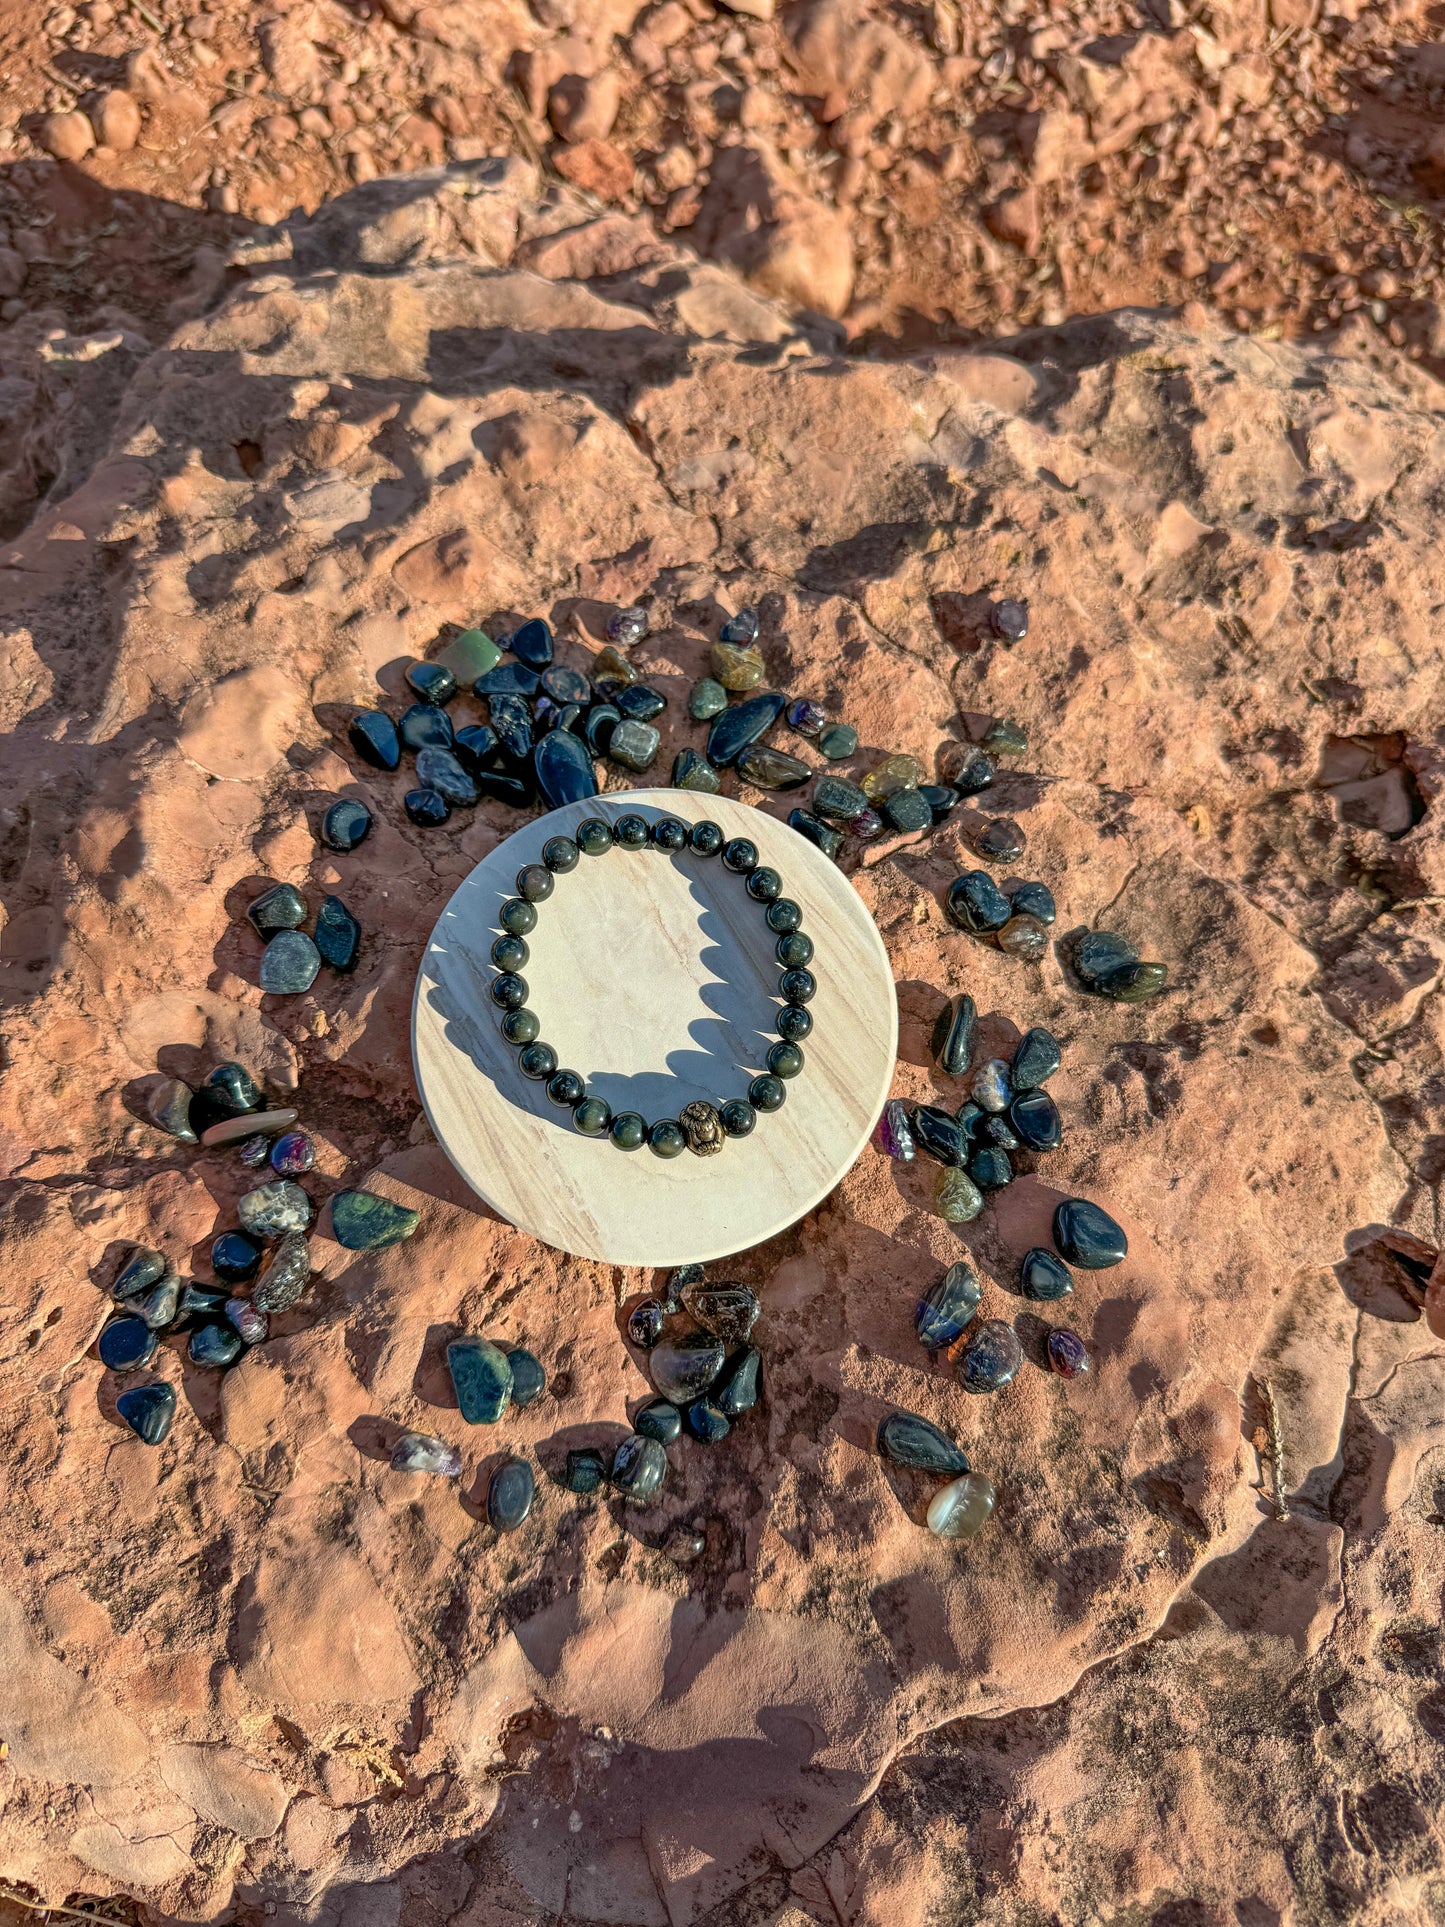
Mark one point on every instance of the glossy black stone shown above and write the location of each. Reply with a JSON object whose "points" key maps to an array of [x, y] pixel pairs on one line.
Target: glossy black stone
{"points": [[728, 1311], [736, 1390], [532, 643], [338, 934], [835, 797], [511, 953], [678, 1280], [741, 725], [634, 745], [535, 883], [740, 855], [772, 769], [432, 681], [159, 1306], [1043, 1277], [215, 1346], [126, 1344], [566, 1090], [783, 915], [560, 855], [528, 1378], [692, 771], [1087, 1236], [227, 1091], [234, 1257], [345, 824], [519, 1026], [510, 1491], [602, 719], [658, 1419], [1035, 1117], [509, 991], [565, 685], [424, 726], [593, 1117], [939, 1136], [645, 1322], [594, 836], [706, 838], [141, 1270], [631, 832], [374, 738], [906, 1439], [537, 1061], [953, 1035], [1098, 952], [639, 1467], [564, 769], [682, 1369], [991, 1357], [1034, 900], [667, 1138], [508, 679], [997, 1130], [196, 1302], [510, 787], [586, 1470], [640, 701], [941, 798], [426, 808], [1037, 1058], [1132, 983], [738, 1116], [518, 917], [794, 1023], [908, 810], [670, 834], [440, 770], [971, 773], [820, 834], [763, 884], [743, 627], [280, 908], [511, 720], [990, 1168], [794, 950], [706, 1420], [767, 1093], [948, 1306], [148, 1411], [976, 903]]}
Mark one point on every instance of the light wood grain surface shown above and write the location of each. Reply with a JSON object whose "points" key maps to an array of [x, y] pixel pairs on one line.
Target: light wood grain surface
{"points": [[655, 977]]}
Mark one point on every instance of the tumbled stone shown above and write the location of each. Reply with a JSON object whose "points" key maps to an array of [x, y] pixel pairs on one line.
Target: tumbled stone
{"points": [[1034, 900], [231, 1130], [953, 1035], [638, 1467], [289, 964], [962, 1508], [1005, 739], [957, 1199], [169, 1108], [160, 1305], [510, 1491], [1087, 1236], [532, 643], [511, 719], [683, 1369], [867, 825], [908, 810], [728, 1311], [1132, 983], [1067, 1353], [1043, 1277], [692, 771], [838, 799], [292, 1155], [743, 627], [470, 654], [142, 1269], [564, 769], [806, 717], [906, 1439], [441, 770], [422, 1452], [990, 1168], [965, 768], [1025, 938], [214, 1347], [894, 773], [976, 903], [128, 1343], [273, 1209], [645, 1322], [626, 627], [148, 1411], [481, 1376], [939, 1135], [996, 1130], [1009, 619], [1035, 1118], [634, 745], [200, 1301], [602, 719], [1098, 952], [280, 908], [948, 1306], [254, 1152], [338, 934], [374, 738], [820, 834], [658, 1419], [586, 1470], [1037, 1058], [248, 1320], [737, 665], [706, 699], [991, 1357], [685, 1545], [425, 727], [608, 666], [565, 685], [838, 742], [361, 1221], [432, 681], [772, 769], [941, 798], [508, 679], [736, 1391], [706, 1420], [640, 702], [991, 1088], [1000, 840], [285, 1276], [227, 1091], [234, 1257], [740, 726]]}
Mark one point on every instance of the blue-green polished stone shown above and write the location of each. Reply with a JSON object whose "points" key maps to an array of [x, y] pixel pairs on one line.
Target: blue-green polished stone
{"points": [[338, 934], [361, 1221], [482, 1379], [1087, 1236], [528, 1378]]}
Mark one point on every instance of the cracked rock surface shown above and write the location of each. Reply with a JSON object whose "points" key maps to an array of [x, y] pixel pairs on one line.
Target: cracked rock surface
{"points": [[255, 1668]]}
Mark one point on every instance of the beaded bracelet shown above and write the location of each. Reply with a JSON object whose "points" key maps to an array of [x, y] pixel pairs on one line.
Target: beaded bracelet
{"points": [[701, 1127]]}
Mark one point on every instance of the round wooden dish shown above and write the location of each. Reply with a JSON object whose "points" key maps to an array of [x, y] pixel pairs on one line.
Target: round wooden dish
{"points": [[654, 977]]}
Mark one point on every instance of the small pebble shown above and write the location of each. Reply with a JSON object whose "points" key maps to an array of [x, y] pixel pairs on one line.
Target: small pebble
{"points": [[772, 769], [285, 1276], [976, 903], [1025, 938], [1087, 1236], [214, 1347], [738, 666], [529, 1380], [645, 1323], [148, 1411], [126, 1344], [280, 908], [338, 934], [586, 1470], [432, 681], [159, 1306], [423, 726], [1132, 983], [908, 810], [807, 718], [991, 1357], [510, 1492], [942, 800], [1043, 1277], [838, 799], [293, 1155], [141, 1270], [426, 808], [1098, 952], [532, 643], [250, 1323], [421, 1452], [965, 768], [234, 1257], [737, 1390], [1000, 841], [894, 773], [641, 702], [1037, 1058], [610, 667], [627, 627], [707, 699], [200, 1301], [566, 686], [741, 725], [441, 770], [991, 1088], [658, 1419], [728, 1311], [961, 1509], [374, 738], [685, 1545], [254, 1152], [743, 627], [867, 825], [1067, 1354], [997, 1130], [273, 1209], [481, 1375], [361, 1221], [1009, 619], [990, 1168], [706, 1420], [683, 1369], [957, 1198], [939, 1135], [820, 834], [692, 771], [953, 1035], [894, 1132], [638, 1467], [838, 742], [169, 1108], [679, 1278], [1005, 739], [634, 745], [906, 1439], [1034, 900], [1035, 1118], [948, 1307], [289, 964]]}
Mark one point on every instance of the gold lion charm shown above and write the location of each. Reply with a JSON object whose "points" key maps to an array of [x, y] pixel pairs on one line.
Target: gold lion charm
{"points": [[702, 1128]]}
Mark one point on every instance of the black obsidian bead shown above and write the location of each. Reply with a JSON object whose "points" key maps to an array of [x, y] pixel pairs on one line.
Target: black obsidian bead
{"points": [[425, 727], [1087, 1236], [795, 950], [667, 1138], [426, 808], [794, 1023], [234, 1257], [785, 1059], [594, 837], [565, 685], [535, 883], [628, 1130], [537, 1060], [740, 855], [738, 1117], [345, 824], [797, 986], [593, 1116], [706, 838], [521, 1027], [766, 1093], [532, 643], [509, 991], [560, 854], [783, 915], [517, 917], [669, 834], [566, 1089], [764, 884], [374, 738], [510, 953], [631, 832]]}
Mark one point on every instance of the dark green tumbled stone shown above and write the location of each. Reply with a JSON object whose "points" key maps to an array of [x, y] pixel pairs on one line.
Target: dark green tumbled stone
{"points": [[586, 1470], [510, 1491], [908, 810], [345, 824], [628, 1130], [766, 1093], [374, 738], [215, 1346], [280, 908], [562, 763], [593, 1117], [511, 953], [659, 1419], [361, 1221], [520, 1026], [772, 769], [1132, 983], [706, 1420], [835, 797], [1098, 952], [838, 741], [783, 915], [795, 950], [535, 883], [692, 771], [939, 1136], [706, 699], [740, 855], [736, 1391], [785, 1059], [289, 964], [906, 1439], [798, 986], [976, 903], [1035, 1117], [1037, 1058], [634, 745], [148, 1411], [738, 1117], [706, 838], [1043, 1277], [566, 1090], [820, 834], [953, 1035], [736, 728], [425, 727], [639, 1467], [794, 1023], [537, 1061], [991, 1358], [517, 917], [338, 934], [631, 832], [667, 1139], [481, 1376], [669, 833], [1087, 1236], [947, 1307], [509, 991]]}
